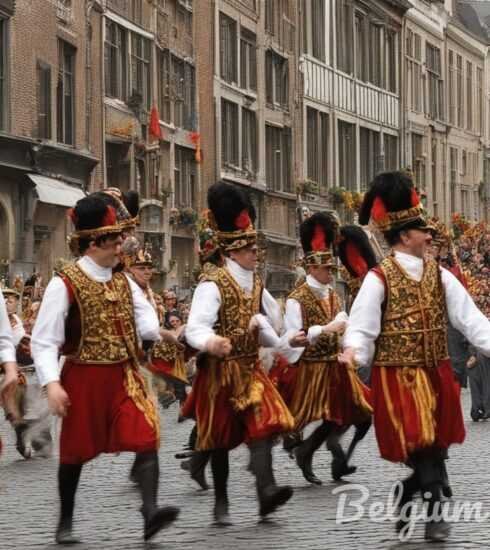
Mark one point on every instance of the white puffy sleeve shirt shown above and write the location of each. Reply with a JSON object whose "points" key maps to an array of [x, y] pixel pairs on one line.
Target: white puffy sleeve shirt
{"points": [[7, 349], [48, 335], [293, 321], [206, 303], [366, 313]]}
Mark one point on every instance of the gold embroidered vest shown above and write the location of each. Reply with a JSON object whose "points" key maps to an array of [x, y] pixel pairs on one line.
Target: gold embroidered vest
{"points": [[107, 333], [236, 311], [318, 312], [167, 351], [414, 324]]}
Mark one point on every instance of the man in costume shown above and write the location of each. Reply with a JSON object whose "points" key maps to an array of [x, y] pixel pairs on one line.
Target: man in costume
{"points": [[8, 366], [398, 322], [232, 399], [95, 318], [357, 257], [314, 385]]}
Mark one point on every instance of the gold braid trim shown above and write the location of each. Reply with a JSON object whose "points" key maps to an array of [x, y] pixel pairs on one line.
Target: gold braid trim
{"points": [[138, 392], [395, 421], [402, 217], [416, 380]]}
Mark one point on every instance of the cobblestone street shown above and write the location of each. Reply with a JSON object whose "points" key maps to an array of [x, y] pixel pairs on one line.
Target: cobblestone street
{"points": [[107, 513]]}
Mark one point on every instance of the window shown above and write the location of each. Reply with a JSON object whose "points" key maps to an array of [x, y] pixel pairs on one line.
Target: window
{"points": [[229, 134], [65, 92], [344, 34], [278, 158], [318, 31], [434, 177], [479, 99], [176, 90], [164, 85], [435, 83], [178, 77], [248, 60], [118, 166], [276, 79], [369, 156], [391, 61], [228, 49], [391, 152], [43, 100], [140, 69], [451, 88], [185, 177], [374, 54], [453, 152], [459, 89], [115, 59], [136, 11], [469, 96], [347, 153], [3, 74], [361, 47], [317, 139], [418, 161], [414, 71], [249, 141]]}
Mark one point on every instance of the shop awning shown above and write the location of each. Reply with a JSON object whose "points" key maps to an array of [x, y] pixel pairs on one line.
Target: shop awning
{"points": [[53, 191]]}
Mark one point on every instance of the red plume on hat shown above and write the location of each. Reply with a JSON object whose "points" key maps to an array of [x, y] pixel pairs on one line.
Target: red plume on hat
{"points": [[355, 251], [110, 216], [378, 210], [243, 221], [318, 242]]}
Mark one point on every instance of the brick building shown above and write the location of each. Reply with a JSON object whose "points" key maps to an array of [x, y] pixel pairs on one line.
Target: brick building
{"points": [[49, 142], [247, 82]]}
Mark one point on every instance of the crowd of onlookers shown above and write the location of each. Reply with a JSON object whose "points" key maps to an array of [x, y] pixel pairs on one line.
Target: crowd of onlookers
{"points": [[473, 248]]}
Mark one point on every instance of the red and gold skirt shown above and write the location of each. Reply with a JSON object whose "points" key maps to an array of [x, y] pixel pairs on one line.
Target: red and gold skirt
{"points": [[235, 402], [322, 390], [171, 370], [110, 411], [416, 408]]}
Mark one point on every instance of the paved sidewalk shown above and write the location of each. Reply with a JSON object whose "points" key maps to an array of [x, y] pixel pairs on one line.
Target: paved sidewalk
{"points": [[107, 515]]}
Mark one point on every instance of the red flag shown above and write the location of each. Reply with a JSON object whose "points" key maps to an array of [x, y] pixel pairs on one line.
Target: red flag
{"points": [[155, 130], [195, 138]]}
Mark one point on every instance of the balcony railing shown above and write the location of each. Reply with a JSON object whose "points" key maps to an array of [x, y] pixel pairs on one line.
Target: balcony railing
{"points": [[344, 92]]}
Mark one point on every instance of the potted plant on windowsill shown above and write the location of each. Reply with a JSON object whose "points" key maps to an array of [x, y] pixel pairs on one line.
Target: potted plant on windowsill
{"points": [[307, 187]]}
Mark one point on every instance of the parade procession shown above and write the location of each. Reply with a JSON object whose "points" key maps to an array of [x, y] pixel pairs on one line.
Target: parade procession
{"points": [[244, 274]]}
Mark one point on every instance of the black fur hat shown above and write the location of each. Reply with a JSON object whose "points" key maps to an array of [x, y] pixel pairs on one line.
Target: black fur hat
{"points": [[92, 217], [392, 203], [317, 234], [355, 251], [233, 215]]}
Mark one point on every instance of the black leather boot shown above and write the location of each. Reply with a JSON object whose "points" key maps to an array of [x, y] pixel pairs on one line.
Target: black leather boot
{"points": [[304, 453], [436, 528], [196, 465], [147, 475], [220, 468], [339, 466], [269, 494], [409, 488], [68, 477]]}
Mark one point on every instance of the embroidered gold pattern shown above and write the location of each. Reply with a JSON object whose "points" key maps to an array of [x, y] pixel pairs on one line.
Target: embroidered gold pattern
{"points": [[415, 318], [107, 316], [318, 312], [109, 333], [168, 352]]}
